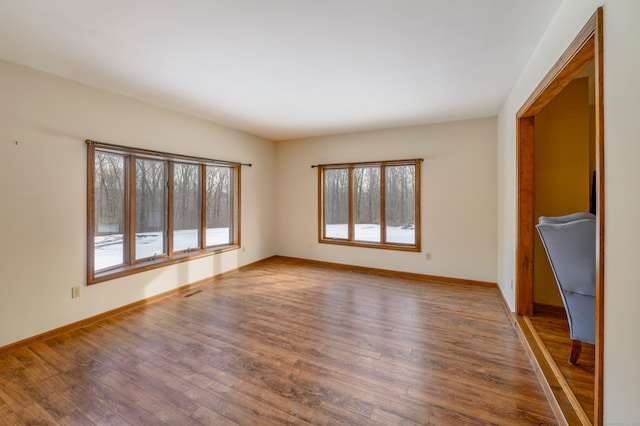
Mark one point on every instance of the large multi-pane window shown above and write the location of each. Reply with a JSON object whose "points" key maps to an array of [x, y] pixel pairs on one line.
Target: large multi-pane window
{"points": [[147, 210], [374, 204]]}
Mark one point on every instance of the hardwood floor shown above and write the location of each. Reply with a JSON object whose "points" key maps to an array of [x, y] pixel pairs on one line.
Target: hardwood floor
{"points": [[553, 328], [285, 341]]}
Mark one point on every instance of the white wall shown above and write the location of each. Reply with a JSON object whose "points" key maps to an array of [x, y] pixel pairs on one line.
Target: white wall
{"points": [[622, 202], [458, 205], [43, 196]]}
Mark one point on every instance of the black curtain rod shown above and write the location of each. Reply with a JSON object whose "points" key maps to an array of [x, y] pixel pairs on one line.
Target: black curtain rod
{"points": [[365, 163], [164, 154]]}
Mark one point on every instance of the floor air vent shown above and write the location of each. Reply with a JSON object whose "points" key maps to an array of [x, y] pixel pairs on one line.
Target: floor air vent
{"points": [[193, 293]]}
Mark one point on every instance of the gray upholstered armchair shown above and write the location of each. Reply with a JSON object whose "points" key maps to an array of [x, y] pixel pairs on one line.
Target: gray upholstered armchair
{"points": [[570, 243]]}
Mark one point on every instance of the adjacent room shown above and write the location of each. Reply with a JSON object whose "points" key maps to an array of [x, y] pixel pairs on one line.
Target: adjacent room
{"points": [[285, 212]]}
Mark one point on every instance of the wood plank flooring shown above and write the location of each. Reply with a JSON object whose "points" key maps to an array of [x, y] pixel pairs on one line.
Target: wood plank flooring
{"points": [[285, 342], [553, 328]]}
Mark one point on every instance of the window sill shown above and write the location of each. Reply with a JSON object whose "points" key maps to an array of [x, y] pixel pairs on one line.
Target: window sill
{"points": [[386, 246], [125, 270]]}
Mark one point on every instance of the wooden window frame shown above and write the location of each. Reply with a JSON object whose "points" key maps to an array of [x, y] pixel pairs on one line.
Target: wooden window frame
{"points": [[350, 240], [130, 265]]}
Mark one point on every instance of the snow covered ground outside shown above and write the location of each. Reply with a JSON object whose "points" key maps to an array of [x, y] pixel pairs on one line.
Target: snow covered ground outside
{"points": [[109, 248], [370, 232]]}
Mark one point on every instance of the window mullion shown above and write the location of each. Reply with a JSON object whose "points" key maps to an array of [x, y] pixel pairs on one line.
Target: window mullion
{"points": [[203, 206], [383, 221], [351, 207], [130, 210], [170, 208]]}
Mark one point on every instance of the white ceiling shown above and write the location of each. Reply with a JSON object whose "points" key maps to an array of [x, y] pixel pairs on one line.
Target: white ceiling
{"points": [[286, 69]]}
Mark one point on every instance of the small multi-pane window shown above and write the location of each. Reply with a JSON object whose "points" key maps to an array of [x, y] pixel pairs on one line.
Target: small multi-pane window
{"points": [[371, 204], [147, 210]]}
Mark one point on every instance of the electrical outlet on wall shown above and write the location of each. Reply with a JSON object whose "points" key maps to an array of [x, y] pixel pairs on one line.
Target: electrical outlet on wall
{"points": [[428, 255], [75, 292]]}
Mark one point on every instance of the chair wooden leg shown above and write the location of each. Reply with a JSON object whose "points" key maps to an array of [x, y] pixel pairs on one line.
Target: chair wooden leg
{"points": [[576, 348]]}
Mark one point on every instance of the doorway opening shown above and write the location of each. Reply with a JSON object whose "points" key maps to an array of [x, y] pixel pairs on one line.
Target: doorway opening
{"points": [[585, 51]]}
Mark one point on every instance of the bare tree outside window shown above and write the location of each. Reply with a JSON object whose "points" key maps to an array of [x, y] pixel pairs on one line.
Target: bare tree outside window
{"points": [[366, 204], [109, 205], [400, 207], [336, 203], [219, 205], [186, 206], [151, 207]]}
